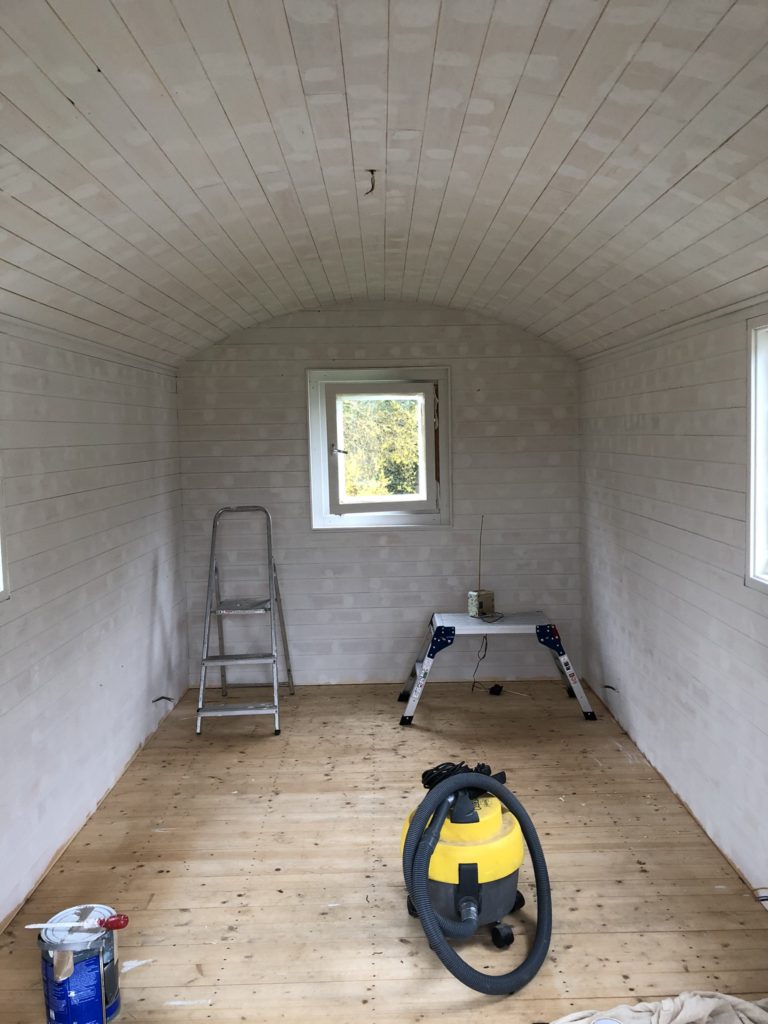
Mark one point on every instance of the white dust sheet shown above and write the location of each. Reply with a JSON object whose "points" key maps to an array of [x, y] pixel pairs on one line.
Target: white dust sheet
{"points": [[687, 1008]]}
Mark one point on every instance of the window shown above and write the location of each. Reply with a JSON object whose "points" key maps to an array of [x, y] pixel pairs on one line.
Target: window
{"points": [[378, 447], [757, 569]]}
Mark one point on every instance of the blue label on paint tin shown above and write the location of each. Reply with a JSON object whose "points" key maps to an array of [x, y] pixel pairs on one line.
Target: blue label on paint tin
{"points": [[78, 999]]}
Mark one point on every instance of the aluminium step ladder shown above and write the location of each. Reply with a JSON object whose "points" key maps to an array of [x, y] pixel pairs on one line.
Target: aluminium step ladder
{"points": [[219, 608]]}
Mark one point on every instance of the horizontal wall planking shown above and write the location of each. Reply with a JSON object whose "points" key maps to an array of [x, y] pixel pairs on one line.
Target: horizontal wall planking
{"points": [[702, 448], [723, 592], [704, 369], [693, 690], [340, 548], [506, 446], [724, 529], [24, 345], [699, 656], [45, 612], [47, 510], [58, 672], [698, 666], [730, 599], [20, 462], [42, 408], [612, 522], [39, 314], [61, 533], [715, 396], [31, 381], [267, 461], [545, 563], [31, 487], [699, 497], [433, 545], [25, 571], [717, 422], [730, 624], [723, 475], [204, 449]]}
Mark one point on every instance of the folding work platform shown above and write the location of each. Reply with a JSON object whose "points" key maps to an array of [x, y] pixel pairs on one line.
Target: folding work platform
{"points": [[446, 626]]}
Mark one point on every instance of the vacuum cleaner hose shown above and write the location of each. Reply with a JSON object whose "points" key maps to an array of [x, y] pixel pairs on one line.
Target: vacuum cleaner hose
{"points": [[420, 842]]}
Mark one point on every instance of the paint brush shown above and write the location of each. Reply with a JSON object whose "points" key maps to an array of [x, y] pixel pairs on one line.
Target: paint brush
{"points": [[113, 923]]}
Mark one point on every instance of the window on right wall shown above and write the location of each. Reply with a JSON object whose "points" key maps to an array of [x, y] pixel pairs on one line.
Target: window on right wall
{"points": [[757, 564]]}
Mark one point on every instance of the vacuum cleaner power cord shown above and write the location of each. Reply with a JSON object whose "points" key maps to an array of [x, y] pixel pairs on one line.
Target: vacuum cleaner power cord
{"points": [[421, 839]]}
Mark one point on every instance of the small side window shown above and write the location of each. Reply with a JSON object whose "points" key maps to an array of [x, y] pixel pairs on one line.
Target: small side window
{"points": [[378, 444], [757, 566]]}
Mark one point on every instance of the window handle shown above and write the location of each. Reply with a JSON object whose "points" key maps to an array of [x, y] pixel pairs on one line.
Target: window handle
{"points": [[337, 451]]}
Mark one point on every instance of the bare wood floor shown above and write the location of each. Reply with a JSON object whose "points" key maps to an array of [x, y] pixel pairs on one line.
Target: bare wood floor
{"points": [[263, 879]]}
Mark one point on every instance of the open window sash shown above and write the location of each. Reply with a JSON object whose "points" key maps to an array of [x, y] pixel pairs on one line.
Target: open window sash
{"points": [[425, 496]]}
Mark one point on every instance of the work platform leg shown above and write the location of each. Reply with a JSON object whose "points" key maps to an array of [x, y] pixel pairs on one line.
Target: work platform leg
{"points": [[442, 637], [550, 638]]}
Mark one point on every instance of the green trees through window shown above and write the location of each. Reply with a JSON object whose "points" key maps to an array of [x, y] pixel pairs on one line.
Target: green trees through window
{"points": [[383, 441]]}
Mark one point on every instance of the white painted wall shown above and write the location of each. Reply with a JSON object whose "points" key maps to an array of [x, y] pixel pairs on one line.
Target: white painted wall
{"points": [[670, 623], [94, 627], [358, 603]]}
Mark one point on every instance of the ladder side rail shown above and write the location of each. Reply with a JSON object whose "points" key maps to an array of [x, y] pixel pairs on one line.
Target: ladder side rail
{"points": [[281, 619], [272, 618], [207, 621], [219, 627]]}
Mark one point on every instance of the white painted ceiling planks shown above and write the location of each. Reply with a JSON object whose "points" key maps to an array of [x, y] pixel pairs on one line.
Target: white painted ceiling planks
{"points": [[172, 171]]}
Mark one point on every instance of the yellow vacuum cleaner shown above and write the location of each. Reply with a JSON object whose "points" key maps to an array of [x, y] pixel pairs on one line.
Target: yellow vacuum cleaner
{"points": [[463, 848]]}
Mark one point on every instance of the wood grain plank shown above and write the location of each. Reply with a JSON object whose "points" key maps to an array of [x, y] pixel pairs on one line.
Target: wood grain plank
{"points": [[199, 885]]}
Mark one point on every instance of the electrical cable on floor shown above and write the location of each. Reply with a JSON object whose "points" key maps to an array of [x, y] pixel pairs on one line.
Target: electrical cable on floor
{"points": [[481, 653]]}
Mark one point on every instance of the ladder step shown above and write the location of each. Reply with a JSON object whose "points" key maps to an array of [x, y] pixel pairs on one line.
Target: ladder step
{"points": [[224, 710], [252, 685], [239, 659], [241, 606]]}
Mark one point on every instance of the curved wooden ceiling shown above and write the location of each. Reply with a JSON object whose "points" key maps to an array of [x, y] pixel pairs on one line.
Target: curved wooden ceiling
{"points": [[174, 170]]}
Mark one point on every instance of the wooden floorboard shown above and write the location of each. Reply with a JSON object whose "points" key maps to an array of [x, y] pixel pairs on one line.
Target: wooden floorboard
{"points": [[262, 874]]}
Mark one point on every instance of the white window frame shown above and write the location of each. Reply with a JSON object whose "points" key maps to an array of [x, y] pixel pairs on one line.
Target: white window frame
{"points": [[757, 492], [5, 587], [324, 386]]}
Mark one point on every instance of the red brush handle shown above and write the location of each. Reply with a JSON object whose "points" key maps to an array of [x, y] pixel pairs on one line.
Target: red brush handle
{"points": [[113, 923]]}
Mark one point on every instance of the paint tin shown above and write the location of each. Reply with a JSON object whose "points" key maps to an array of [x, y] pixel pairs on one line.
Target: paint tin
{"points": [[81, 983]]}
